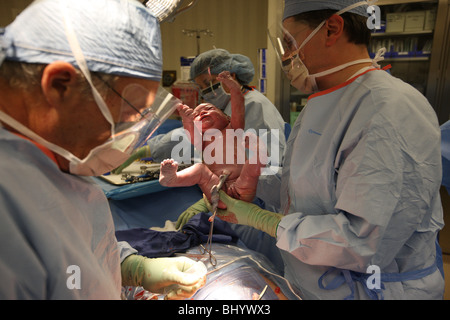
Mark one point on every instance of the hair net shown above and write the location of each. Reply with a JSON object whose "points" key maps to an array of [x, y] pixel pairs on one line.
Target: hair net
{"points": [[218, 60], [118, 37], [294, 7]]}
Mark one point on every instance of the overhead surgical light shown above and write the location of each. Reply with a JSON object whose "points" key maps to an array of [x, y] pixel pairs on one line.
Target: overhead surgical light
{"points": [[167, 10]]}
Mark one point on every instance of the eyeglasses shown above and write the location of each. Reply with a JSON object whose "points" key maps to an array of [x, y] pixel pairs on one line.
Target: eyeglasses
{"points": [[141, 114]]}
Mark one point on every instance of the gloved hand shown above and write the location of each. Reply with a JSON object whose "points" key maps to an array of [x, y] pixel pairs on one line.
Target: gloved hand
{"points": [[241, 212], [143, 152], [198, 207], [178, 278]]}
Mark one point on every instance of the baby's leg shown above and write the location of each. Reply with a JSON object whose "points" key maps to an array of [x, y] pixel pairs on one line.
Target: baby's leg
{"points": [[195, 174], [244, 188], [233, 85], [237, 100]]}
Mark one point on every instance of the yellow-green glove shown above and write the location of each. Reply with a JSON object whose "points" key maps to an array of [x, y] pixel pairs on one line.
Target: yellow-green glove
{"points": [[143, 152], [198, 207], [178, 278], [241, 212]]}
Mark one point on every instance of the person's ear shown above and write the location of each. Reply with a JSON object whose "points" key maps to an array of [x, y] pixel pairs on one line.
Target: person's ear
{"points": [[59, 82], [335, 29]]}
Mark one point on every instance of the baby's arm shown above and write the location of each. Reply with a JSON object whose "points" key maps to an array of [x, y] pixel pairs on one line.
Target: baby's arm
{"points": [[237, 100], [187, 116]]}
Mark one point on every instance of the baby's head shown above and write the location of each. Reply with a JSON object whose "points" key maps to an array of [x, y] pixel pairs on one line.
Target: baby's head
{"points": [[211, 117]]}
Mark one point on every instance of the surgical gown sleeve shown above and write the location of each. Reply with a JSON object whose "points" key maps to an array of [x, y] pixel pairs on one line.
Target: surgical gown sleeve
{"points": [[56, 230], [125, 250], [363, 181]]}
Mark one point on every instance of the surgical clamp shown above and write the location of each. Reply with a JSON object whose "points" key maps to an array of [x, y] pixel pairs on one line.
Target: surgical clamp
{"points": [[214, 203]]}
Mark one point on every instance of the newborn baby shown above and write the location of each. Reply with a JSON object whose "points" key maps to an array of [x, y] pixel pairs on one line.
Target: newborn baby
{"points": [[243, 177]]}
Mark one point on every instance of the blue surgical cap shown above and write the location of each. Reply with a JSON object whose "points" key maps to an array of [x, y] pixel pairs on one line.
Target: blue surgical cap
{"points": [[119, 37], [294, 7], [218, 60]]}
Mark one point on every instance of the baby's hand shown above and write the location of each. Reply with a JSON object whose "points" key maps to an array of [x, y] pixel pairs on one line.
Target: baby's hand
{"points": [[186, 112], [226, 78]]}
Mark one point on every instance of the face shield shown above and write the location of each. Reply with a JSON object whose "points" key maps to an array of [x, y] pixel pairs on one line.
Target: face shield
{"points": [[284, 44], [141, 113], [136, 122], [142, 110], [287, 50]]}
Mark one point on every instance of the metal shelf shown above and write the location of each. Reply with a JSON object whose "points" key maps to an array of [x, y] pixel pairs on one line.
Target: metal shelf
{"points": [[432, 70], [405, 33], [391, 2], [407, 59]]}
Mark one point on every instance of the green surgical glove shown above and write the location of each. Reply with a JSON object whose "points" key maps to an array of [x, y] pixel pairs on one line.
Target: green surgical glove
{"points": [[198, 207], [241, 212], [140, 153], [178, 278]]}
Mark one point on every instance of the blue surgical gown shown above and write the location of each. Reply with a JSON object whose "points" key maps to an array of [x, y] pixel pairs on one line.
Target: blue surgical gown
{"points": [[360, 187], [56, 230]]}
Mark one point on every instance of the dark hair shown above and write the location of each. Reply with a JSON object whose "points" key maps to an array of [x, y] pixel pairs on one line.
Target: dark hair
{"points": [[355, 25]]}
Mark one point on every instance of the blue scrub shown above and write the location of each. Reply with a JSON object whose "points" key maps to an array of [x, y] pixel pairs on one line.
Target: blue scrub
{"points": [[50, 222], [360, 187]]}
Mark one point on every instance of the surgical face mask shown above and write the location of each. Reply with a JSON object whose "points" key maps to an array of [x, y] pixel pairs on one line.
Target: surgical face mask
{"points": [[137, 121], [217, 96], [297, 72], [294, 67], [131, 135], [133, 132], [300, 78]]}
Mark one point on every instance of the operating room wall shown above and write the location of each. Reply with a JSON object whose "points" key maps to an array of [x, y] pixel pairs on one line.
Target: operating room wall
{"points": [[237, 26], [9, 9]]}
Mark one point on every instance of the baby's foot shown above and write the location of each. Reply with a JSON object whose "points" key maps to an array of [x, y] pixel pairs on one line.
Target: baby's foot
{"points": [[226, 78], [168, 172]]}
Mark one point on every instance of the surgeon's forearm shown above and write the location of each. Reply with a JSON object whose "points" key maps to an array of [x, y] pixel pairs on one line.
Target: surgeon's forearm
{"points": [[325, 239], [264, 220]]}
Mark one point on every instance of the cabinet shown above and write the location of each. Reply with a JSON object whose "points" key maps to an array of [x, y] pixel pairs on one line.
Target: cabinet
{"points": [[407, 32], [416, 34], [415, 42]]}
